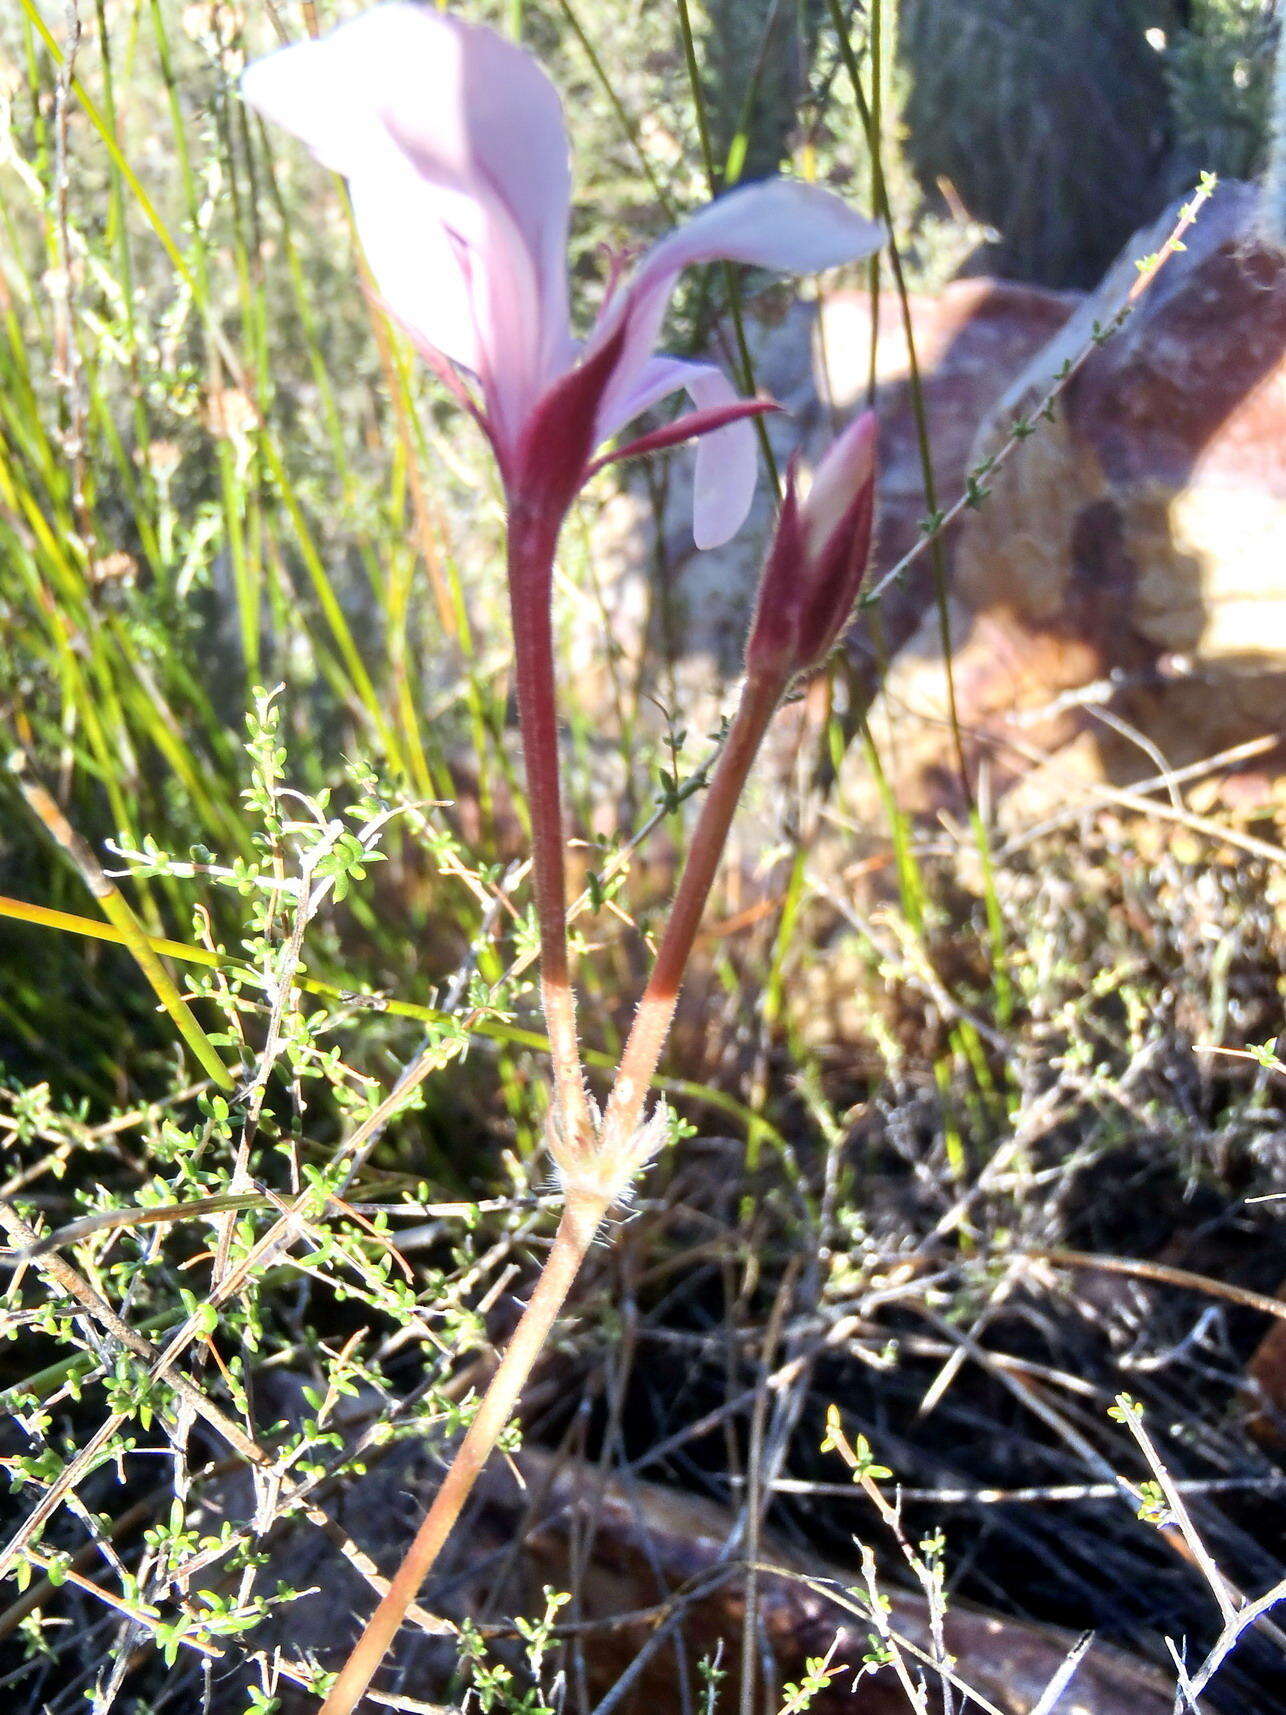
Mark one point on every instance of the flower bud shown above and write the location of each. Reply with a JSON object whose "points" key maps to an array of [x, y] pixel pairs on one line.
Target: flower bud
{"points": [[817, 559]]}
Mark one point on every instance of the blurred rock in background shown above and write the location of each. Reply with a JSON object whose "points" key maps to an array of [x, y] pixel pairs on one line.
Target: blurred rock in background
{"points": [[1119, 598], [1134, 543]]}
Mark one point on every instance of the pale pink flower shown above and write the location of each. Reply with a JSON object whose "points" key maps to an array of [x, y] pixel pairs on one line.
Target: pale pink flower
{"points": [[453, 144], [817, 560]]}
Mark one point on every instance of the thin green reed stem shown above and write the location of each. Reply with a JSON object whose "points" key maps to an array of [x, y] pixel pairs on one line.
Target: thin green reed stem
{"points": [[739, 143], [245, 576], [37, 110], [631, 130], [488, 743], [884, 210], [1003, 991], [1003, 986], [912, 896], [875, 268], [116, 909], [254, 321], [771, 1005], [119, 228], [115, 154], [359, 679], [698, 95], [56, 582], [58, 520], [103, 679], [193, 277], [732, 284]]}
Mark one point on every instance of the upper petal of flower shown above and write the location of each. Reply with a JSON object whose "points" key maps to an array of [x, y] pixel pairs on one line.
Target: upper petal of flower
{"points": [[423, 276], [782, 224], [444, 125]]}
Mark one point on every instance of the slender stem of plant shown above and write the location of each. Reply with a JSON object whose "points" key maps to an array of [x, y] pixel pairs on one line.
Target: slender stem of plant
{"points": [[576, 1230], [759, 699], [870, 115], [531, 557], [609, 1151]]}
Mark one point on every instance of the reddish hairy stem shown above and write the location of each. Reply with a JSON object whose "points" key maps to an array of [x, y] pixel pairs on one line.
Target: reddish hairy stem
{"points": [[759, 699], [531, 562], [529, 586], [576, 1230], [532, 539]]}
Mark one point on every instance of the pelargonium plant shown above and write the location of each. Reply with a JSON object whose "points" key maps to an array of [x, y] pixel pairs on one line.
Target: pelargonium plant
{"points": [[454, 148]]}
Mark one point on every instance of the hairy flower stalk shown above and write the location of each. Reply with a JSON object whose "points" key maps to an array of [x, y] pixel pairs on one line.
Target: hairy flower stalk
{"points": [[453, 145], [622, 1119], [580, 1222], [810, 582], [529, 564], [811, 577]]}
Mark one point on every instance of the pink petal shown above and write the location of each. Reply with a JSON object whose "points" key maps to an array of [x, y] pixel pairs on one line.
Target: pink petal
{"points": [[723, 485], [422, 279], [689, 427], [474, 110], [727, 460], [444, 126], [848, 465], [781, 224], [306, 90]]}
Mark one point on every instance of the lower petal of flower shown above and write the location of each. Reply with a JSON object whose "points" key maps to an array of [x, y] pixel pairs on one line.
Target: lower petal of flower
{"points": [[727, 464]]}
